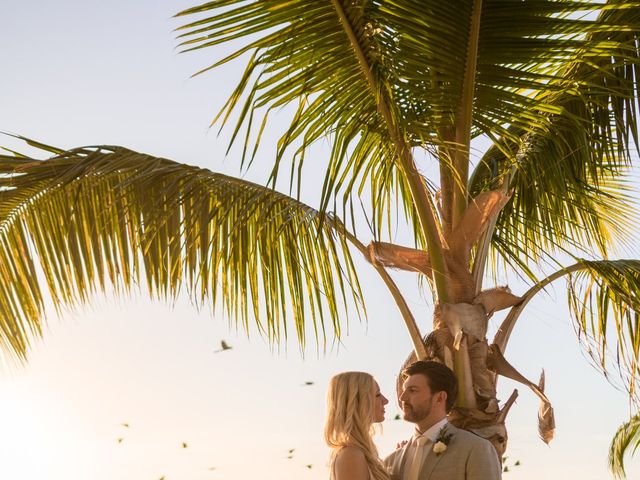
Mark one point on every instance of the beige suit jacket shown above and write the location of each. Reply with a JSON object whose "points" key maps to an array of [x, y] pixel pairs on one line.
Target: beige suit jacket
{"points": [[468, 457]]}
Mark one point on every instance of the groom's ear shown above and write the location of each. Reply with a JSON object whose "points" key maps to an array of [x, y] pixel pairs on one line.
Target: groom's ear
{"points": [[441, 397]]}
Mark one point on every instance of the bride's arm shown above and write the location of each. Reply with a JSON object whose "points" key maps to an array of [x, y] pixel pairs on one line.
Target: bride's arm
{"points": [[350, 464]]}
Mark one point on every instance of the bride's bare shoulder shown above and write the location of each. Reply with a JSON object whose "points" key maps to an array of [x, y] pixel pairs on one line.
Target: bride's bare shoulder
{"points": [[350, 463], [350, 453]]}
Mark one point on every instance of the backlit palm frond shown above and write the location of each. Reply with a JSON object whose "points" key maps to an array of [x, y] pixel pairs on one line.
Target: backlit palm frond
{"points": [[99, 215], [562, 201], [534, 56], [556, 211], [626, 440], [604, 297], [422, 48], [425, 45], [321, 58], [567, 177]]}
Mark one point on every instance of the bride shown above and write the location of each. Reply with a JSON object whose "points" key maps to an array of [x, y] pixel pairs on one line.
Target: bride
{"points": [[354, 404]]}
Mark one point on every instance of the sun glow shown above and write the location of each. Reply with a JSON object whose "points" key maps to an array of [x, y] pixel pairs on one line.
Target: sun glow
{"points": [[24, 436], [34, 428]]}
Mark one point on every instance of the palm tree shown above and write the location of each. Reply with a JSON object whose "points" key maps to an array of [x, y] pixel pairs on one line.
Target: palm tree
{"points": [[396, 87]]}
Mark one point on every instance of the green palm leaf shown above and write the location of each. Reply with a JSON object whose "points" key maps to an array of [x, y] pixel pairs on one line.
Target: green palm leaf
{"points": [[305, 59], [523, 52], [566, 172], [626, 438], [95, 215], [533, 56], [604, 297]]}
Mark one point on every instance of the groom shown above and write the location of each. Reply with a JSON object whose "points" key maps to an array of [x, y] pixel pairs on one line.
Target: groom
{"points": [[438, 450]]}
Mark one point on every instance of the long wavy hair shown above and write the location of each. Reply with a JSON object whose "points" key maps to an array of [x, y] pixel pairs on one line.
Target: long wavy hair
{"points": [[349, 422]]}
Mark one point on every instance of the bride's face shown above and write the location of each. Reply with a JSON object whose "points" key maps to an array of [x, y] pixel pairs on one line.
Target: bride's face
{"points": [[379, 401]]}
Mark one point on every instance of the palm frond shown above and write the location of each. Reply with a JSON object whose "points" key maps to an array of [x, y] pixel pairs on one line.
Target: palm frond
{"points": [[97, 215], [558, 212], [302, 56], [523, 52], [567, 171], [604, 297], [534, 54], [625, 441]]}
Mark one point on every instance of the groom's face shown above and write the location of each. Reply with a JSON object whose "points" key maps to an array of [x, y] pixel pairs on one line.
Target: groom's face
{"points": [[417, 398]]}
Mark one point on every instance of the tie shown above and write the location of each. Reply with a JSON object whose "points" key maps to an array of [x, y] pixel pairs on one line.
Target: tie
{"points": [[416, 462]]}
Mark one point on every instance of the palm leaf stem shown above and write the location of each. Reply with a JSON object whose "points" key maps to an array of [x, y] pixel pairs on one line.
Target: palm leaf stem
{"points": [[484, 245], [421, 198], [462, 367], [407, 316], [446, 179], [504, 332], [465, 117]]}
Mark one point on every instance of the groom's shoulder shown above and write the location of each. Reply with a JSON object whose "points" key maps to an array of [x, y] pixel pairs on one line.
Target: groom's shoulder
{"points": [[466, 436]]}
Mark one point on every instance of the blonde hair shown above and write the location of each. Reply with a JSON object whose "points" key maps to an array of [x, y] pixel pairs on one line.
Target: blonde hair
{"points": [[349, 422]]}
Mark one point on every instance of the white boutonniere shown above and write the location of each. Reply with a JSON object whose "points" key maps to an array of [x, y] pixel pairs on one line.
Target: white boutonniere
{"points": [[442, 441]]}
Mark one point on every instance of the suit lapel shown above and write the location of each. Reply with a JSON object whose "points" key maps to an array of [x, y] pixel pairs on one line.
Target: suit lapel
{"points": [[429, 464], [433, 458], [403, 459]]}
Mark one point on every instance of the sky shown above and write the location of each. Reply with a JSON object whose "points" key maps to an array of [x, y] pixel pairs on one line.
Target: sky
{"points": [[90, 72]]}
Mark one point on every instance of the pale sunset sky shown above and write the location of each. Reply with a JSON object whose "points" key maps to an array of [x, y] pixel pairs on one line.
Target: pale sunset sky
{"points": [[92, 72]]}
